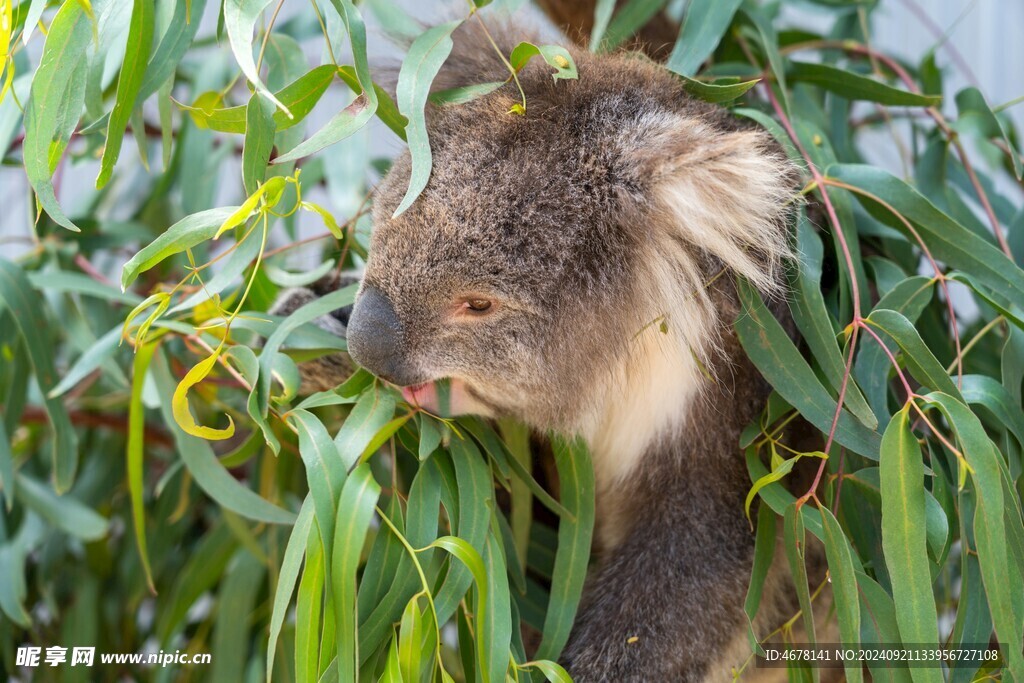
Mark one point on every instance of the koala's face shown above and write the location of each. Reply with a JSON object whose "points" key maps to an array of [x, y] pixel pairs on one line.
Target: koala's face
{"points": [[499, 277], [543, 245]]}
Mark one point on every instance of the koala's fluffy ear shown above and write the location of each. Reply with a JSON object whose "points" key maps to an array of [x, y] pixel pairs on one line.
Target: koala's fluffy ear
{"points": [[325, 372], [730, 192]]}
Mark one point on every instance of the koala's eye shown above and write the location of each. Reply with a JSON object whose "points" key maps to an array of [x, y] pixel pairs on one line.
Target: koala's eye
{"points": [[474, 305]]}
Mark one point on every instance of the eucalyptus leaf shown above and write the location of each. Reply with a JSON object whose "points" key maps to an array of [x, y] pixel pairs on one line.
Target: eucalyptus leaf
{"points": [[426, 56]]}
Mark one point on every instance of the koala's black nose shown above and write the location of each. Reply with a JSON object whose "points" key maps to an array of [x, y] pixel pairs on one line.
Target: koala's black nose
{"points": [[374, 335]]}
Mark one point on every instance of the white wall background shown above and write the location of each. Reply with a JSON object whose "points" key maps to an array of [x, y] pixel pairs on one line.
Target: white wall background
{"points": [[987, 34]]}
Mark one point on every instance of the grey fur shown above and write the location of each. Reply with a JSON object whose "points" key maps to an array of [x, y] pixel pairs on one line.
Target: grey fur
{"points": [[615, 202]]}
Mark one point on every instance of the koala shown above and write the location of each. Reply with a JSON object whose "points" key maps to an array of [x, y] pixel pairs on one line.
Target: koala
{"points": [[574, 268]]}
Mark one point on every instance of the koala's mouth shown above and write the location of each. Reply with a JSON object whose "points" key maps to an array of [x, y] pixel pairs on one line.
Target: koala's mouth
{"points": [[420, 395], [446, 397]]}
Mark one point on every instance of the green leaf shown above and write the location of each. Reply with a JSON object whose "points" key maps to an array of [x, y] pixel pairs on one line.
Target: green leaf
{"points": [[300, 96], [630, 18], [475, 491], [240, 17], [867, 481], [259, 141], [554, 55], [973, 619], [473, 561], [553, 672], [64, 512], [134, 455], [266, 197], [430, 435], [777, 473], [30, 314], [392, 668], [382, 562], [201, 571], [981, 390], [66, 42], [172, 46], [517, 439], [916, 354], [208, 472], [283, 278], [495, 634], [872, 368], [301, 336], [764, 553], [844, 588], [183, 235], [287, 575], [259, 398], [936, 527], [421, 528], [355, 510], [13, 589], [79, 283], [948, 240], [425, 57], [997, 520], [237, 597], [387, 110], [855, 87], [780, 362], [903, 537], [384, 434], [7, 480], [769, 43], [129, 83], [410, 640], [307, 611], [1006, 308], [325, 472], [489, 441], [718, 92], [166, 122], [778, 498], [576, 475], [463, 94], [603, 10], [394, 19], [970, 103], [32, 17], [879, 626], [94, 356], [795, 542], [705, 23], [354, 116], [372, 412]]}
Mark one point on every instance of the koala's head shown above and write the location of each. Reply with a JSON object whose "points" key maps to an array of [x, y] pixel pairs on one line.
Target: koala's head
{"points": [[545, 246]]}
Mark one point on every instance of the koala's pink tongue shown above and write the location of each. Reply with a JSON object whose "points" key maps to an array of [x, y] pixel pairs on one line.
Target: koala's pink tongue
{"points": [[422, 395]]}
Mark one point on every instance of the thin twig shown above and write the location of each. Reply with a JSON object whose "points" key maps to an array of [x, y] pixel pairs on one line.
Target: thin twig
{"points": [[266, 34], [975, 339]]}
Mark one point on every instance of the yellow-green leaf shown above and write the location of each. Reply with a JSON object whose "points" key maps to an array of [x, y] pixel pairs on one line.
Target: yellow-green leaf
{"points": [[179, 403]]}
